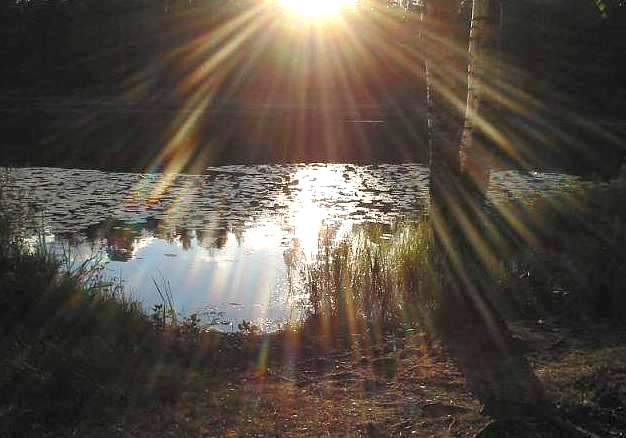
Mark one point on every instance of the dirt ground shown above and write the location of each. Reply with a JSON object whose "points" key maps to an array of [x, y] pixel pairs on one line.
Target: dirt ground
{"points": [[402, 388]]}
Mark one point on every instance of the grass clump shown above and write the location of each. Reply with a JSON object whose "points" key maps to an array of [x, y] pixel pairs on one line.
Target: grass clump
{"points": [[574, 265], [372, 281], [71, 348], [552, 256], [76, 353]]}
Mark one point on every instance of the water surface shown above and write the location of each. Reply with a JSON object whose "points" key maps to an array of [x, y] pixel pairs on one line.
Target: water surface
{"points": [[220, 240]]}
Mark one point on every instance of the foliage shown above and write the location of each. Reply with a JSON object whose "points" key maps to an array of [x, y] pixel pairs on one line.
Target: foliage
{"points": [[75, 348], [576, 265], [605, 6], [248, 328], [385, 279], [66, 347], [561, 256]]}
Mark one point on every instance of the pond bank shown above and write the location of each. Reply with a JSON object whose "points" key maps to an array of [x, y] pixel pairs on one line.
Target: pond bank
{"points": [[142, 381], [80, 361], [80, 358]]}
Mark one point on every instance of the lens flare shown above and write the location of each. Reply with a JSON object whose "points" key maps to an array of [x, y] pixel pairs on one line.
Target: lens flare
{"points": [[317, 8]]}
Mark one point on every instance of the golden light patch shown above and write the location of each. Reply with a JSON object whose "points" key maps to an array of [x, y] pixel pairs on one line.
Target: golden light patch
{"points": [[317, 9]]}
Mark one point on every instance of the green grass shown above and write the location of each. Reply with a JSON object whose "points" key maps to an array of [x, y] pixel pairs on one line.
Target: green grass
{"points": [[70, 348]]}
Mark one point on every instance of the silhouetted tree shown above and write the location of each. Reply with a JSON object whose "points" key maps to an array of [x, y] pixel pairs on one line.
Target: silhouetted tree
{"points": [[472, 327], [462, 123]]}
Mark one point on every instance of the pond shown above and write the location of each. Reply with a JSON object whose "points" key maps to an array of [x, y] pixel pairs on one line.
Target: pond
{"points": [[220, 240]]}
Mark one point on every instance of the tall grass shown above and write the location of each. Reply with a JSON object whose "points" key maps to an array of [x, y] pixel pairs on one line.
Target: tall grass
{"points": [[75, 348], [576, 266], [67, 343], [371, 279], [557, 256]]}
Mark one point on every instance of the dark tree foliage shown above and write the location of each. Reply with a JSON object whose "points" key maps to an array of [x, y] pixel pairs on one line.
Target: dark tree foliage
{"points": [[73, 44], [64, 45]]}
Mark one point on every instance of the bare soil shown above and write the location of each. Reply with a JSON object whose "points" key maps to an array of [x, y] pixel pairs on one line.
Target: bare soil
{"points": [[403, 387]]}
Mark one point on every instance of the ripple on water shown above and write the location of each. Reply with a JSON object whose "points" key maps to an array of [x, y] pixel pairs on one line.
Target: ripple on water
{"points": [[222, 237]]}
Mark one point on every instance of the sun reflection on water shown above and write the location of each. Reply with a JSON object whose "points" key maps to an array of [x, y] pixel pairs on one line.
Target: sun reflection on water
{"points": [[244, 273], [227, 236], [315, 206]]}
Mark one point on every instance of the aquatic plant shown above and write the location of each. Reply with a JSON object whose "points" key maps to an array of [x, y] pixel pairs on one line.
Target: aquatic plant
{"points": [[371, 278], [556, 255]]}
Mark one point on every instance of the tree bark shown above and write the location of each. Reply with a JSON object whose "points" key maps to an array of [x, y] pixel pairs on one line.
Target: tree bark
{"points": [[478, 129], [464, 253]]}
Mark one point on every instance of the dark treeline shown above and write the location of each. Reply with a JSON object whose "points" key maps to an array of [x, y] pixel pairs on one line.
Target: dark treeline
{"points": [[574, 48], [557, 86], [243, 55], [65, 46], [117, 47], [559, 61]]}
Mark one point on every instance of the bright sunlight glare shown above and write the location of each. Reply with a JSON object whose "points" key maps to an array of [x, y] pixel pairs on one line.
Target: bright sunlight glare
{"points": [[316, 9]]}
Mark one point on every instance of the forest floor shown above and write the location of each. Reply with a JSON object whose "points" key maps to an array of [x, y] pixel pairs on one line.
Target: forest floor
{"points": [[403, 389]]}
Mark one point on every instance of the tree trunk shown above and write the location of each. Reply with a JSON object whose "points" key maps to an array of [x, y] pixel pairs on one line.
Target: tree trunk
{"points": [[478, 130], [464, 253]]}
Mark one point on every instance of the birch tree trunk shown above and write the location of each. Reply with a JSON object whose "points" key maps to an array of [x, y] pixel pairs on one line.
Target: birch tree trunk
{"points": [[474, 331], [481, 70]]}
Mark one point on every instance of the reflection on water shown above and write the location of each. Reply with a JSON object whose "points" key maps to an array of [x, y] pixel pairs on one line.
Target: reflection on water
{"points": [[221, 239]]}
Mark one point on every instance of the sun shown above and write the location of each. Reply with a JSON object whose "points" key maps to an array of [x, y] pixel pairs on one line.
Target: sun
{"points": [[317, 9]]}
